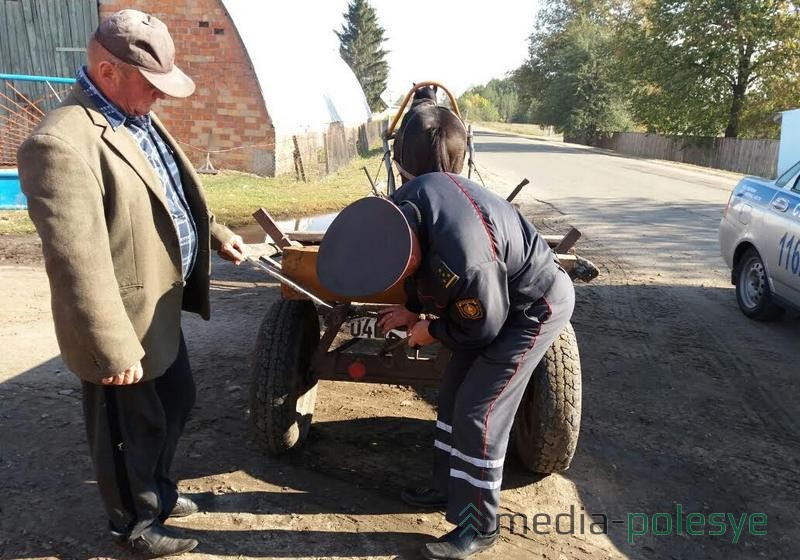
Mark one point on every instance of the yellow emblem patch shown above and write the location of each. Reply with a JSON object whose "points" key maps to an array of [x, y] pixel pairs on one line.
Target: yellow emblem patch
{"points": [[446, 276], [470, 308]]}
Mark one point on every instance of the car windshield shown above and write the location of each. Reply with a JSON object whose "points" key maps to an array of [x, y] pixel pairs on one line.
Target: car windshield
{"points": [[783, 179]]}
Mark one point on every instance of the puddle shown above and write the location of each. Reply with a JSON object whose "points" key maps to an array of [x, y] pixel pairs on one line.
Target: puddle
{"points": [[254, 234]]}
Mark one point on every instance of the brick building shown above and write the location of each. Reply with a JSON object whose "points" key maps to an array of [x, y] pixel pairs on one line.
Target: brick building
{"points": [[256, 103], [227, 111]]}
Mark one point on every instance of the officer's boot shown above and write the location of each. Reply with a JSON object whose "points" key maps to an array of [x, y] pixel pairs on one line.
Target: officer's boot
{"points": [[460, 543]]}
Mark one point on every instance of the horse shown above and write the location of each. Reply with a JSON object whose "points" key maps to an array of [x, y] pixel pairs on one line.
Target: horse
{"points": [[430, 138]]}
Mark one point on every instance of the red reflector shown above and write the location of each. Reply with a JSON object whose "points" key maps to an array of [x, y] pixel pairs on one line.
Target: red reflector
{"points": [[357, 370]]}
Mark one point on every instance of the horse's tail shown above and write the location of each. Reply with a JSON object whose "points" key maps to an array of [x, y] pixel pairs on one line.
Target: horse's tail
{"points": [[441, 154]]}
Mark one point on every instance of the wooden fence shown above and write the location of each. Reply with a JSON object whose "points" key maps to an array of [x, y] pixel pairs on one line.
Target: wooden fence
{"points": [[370, 135], [317, 154], [741, 155], [44, 38]]}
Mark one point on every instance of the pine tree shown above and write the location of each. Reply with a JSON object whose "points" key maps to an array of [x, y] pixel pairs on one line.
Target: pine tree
{"points": [[360, 41]]}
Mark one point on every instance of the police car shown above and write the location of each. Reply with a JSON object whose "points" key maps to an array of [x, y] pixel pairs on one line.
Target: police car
{"points": [[759, 237]]}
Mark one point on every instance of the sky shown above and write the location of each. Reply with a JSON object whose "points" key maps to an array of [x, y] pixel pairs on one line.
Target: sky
{"points": [[457, 43]]}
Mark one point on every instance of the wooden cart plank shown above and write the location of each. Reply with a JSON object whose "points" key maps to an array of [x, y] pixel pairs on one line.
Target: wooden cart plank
{"points": [[315, 237], [300, 265]]}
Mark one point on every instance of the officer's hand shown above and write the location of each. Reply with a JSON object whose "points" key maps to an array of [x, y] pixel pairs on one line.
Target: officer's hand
{"points": [[419, 334], [128, 377], [233, 250], [396, 316]]}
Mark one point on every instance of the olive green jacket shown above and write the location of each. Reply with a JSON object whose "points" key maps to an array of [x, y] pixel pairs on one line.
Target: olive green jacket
{"points": [[110, 246]]}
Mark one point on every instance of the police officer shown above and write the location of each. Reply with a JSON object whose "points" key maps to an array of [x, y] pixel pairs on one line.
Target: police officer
{"points": [[500, 299]]}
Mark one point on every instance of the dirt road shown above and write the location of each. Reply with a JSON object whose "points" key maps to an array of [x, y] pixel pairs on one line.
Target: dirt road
{"points": [[686, 403]]}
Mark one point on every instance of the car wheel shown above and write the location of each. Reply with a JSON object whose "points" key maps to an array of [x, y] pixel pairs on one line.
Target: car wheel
{"points": [[752, 288]]}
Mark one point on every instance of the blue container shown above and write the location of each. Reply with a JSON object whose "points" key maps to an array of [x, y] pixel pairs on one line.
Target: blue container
{"points": [[11, 197]]}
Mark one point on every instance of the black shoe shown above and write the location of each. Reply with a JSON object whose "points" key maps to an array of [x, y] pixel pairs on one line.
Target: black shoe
{"points": [[184, 506], [459, 543], [427, 498], [156, 541]]}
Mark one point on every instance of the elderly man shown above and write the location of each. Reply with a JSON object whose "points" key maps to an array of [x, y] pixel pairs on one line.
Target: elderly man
{"points": [[500, 299], [126, 235]]}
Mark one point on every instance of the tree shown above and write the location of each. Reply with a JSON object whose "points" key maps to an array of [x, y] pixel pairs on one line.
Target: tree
{"points": [[764, 103], [502, 95], [360, 42], [527, 95], [572, 78], [475, 107], [702, 66]]}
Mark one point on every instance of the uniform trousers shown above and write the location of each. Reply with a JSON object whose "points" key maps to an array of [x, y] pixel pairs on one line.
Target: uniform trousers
{"points": [[133, 431], [480, 393]]}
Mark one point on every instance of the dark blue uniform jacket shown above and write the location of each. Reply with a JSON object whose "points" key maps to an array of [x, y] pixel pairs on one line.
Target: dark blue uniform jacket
{"points": [[483, 262]]}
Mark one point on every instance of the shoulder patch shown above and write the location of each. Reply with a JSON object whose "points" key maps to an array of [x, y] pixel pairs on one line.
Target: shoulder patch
{"points": [[470, 308], [446, 276]]}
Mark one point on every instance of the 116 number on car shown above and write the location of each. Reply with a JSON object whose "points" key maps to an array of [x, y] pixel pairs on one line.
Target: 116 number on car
{"points": [[791, 249]]}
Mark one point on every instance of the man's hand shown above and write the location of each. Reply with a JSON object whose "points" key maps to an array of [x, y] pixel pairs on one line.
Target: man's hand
{"points": [[233, 250], [419, 334], [396, 316], [128, 377]]}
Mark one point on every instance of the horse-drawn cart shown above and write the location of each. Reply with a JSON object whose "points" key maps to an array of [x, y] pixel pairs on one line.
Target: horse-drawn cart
{"points": [[311, 334]]}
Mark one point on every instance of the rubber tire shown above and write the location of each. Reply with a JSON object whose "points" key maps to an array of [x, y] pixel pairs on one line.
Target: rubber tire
{"points": [[766, 309], [548, 421], [282, 398]]}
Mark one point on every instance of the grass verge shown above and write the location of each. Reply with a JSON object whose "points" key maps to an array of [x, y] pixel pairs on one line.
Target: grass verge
{"points": [[15, 222], [234, 196], [532, 130]]}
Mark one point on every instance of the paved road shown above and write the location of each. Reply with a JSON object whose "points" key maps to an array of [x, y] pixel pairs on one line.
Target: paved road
{"points": [[646, 208], [685, 400]]}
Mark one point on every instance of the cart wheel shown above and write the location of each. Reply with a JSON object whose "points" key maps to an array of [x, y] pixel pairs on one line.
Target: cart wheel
{"points": [[282, 394], [548, 421]]}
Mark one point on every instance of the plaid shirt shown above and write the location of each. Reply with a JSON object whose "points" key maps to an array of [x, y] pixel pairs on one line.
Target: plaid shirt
{"points": [[161, 158]]}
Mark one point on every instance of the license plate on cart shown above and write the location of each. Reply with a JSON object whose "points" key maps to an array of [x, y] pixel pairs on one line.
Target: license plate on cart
{"points": [[364, 327]]}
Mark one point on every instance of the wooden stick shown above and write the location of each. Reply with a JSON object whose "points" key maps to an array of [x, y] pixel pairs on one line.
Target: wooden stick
{"points": [[271, 228], [516, 190], [568, 242]]}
